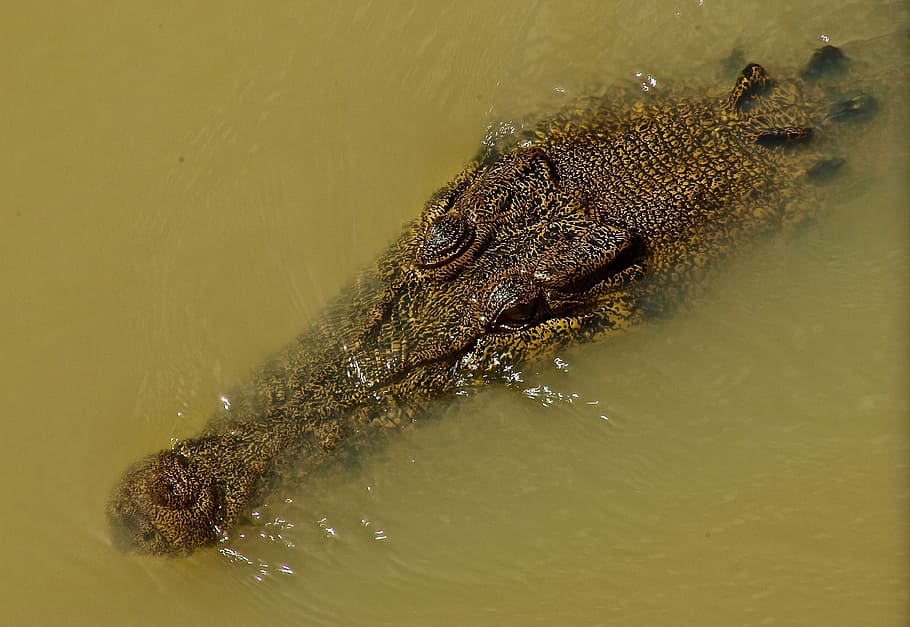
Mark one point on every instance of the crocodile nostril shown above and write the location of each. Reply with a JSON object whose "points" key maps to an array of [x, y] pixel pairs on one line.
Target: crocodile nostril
{"points": [[173, 484], [446, 238]]}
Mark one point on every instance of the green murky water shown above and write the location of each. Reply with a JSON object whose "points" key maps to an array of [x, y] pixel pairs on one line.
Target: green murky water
{"points": [[183, 188]]}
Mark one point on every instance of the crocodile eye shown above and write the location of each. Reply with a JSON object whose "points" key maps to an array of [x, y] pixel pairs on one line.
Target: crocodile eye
{"points": [[517, 316], [449, 236], [515, 302]]}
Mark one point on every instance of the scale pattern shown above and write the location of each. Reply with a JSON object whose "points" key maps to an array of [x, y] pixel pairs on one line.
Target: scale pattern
{"points": [[580, 227]]}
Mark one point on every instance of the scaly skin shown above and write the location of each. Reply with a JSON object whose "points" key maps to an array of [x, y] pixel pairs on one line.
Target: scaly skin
{"points": [[577, 229]]}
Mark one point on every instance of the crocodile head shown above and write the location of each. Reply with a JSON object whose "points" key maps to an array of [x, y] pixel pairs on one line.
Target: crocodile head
{"points": [[500, 266]]}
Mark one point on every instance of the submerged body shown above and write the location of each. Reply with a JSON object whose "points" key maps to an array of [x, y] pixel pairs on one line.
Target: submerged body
{"points": [[583, 226]]}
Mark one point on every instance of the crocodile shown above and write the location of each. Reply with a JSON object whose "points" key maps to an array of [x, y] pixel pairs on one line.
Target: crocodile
{"points": [[573, 228]]}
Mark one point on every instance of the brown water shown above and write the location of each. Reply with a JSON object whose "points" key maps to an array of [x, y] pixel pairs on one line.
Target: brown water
{"points": [[183, 188]]}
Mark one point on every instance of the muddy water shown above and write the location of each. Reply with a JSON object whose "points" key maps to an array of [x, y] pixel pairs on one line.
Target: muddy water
{"points": [[184, 188]]}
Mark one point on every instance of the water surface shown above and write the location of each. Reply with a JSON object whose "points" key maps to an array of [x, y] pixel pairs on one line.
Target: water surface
{"points": [[185, 188]]}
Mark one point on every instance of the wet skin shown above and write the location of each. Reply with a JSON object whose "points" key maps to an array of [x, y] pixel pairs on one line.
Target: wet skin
{"points": [[594, 220]]}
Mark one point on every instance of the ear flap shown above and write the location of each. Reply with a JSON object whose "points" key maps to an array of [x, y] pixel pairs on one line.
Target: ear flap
{"points": [[529, 167], [582, 254]]}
